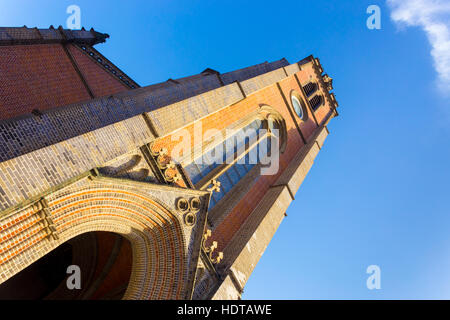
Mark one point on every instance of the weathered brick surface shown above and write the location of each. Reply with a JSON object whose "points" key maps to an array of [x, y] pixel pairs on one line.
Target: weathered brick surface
{"points": [[205, 283], [227, 291], [30, 133], [100, 81], [178, 115], [37, 77], [248, 245], [30, 174], [43, 77], [292, 68], [257, 83], [215, 120]]}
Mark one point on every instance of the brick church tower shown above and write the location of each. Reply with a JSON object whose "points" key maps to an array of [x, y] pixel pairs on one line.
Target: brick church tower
{"points": [[99, 201]]}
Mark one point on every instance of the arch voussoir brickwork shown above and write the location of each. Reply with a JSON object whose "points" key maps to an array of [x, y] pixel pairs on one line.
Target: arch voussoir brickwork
{"points": [[160, 268]]}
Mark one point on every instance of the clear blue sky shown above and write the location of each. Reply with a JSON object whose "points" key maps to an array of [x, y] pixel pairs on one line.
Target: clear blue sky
{"points": [[378, 192]]}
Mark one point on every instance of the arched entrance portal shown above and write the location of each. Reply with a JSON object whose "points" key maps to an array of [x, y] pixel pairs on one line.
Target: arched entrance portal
{"points": [[105, 262], [163, 247]]}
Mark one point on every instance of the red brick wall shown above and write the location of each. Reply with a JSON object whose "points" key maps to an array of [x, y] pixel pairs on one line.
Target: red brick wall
{"points": [[219, 120], [42, 77], [100, 81], [37, 77]]}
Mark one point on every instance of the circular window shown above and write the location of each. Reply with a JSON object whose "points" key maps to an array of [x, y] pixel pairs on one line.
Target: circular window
{"points": [[182, 204], [298, 106], [190, 219]]}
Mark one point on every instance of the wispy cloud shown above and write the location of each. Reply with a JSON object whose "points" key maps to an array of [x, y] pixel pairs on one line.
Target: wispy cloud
{"points": [[433, 16]]}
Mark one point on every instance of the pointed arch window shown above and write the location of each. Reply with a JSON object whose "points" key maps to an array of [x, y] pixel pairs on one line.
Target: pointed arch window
{"points": [[230, 161], [316, 101], [310, 88]]}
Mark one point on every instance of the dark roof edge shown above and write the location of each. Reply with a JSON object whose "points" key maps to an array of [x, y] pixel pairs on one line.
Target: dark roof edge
{"points": [[25, 35], [306, 60]]}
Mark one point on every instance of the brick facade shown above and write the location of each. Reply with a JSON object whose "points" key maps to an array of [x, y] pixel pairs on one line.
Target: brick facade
{"points": [[95, 157]]}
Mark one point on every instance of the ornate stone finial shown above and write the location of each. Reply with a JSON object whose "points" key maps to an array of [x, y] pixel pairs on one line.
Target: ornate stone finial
{"points": [[328, 82], [176, 177], [217, 259], [170, 165], [215, 186], [319, 65], [163, 159], [212, 247], [206, 235], [210, 250]]}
